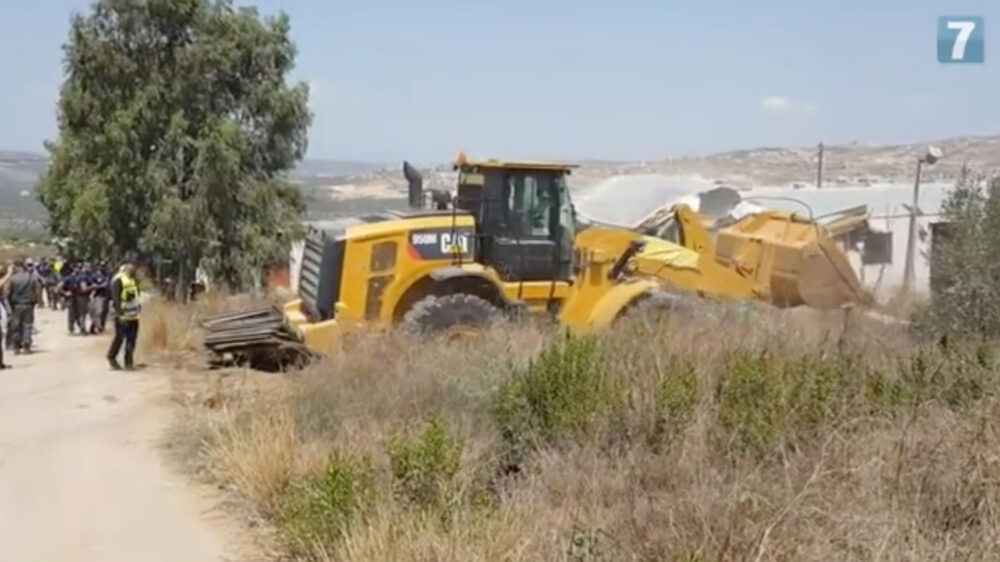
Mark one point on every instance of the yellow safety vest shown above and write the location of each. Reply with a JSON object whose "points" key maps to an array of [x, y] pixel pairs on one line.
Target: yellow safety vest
{"points": [[129, 296]]}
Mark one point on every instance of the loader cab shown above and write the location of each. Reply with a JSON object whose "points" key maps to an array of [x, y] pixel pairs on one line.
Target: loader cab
{"points": [[524, 215]]}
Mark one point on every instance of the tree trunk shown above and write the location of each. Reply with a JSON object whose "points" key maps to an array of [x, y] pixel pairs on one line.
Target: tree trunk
{"points": [[182, 283], [256, 281]]}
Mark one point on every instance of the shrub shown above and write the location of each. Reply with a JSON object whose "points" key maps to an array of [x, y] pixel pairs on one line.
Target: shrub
{"points": [[676, 396], [956, 377], [967, 262], [319, 511], [679, 444], [820, 386], [424, 466], [751, 402], [560, 395]]}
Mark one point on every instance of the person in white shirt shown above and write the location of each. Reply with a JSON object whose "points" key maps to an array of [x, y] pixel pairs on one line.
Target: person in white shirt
{"points": [[3, 318]]}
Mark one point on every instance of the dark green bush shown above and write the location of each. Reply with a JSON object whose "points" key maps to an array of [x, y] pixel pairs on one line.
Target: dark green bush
{"points": [[956, 376], [751, 402], [966, 262], [560, 395], [676, 397], [320, 510], [424, 466], [820, 387]]}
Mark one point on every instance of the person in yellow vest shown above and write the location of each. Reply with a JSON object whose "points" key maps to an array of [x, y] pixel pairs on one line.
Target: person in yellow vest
{"points": [[125, 308]]}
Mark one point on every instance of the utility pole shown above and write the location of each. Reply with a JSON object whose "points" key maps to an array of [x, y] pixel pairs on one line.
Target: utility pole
{"points": [[932, 156], [819, 168], [911, 238]]}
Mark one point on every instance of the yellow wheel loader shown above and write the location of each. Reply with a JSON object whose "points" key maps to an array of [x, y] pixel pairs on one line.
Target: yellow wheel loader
{"points": [[503, 245], [508, 242]]}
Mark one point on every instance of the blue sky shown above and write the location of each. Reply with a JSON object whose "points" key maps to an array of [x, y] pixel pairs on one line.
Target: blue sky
{"points": [[424, 79]]}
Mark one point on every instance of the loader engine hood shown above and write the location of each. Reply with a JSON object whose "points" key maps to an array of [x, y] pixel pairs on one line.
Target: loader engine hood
{"points": [[322, 267], [321, 271]]}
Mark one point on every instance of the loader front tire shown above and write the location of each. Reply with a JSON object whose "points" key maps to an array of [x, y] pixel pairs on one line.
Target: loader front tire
{"points": [[439, 313], [656, 306]]}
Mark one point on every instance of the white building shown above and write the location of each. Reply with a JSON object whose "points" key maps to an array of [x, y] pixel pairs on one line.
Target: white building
{"points": [[627, 199]]}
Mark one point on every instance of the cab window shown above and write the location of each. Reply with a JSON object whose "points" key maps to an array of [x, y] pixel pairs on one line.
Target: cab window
{"points": [[529, 205]]}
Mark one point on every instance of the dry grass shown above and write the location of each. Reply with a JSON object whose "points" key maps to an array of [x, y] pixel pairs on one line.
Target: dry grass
{"points": [[734, 436], [170, 331]]}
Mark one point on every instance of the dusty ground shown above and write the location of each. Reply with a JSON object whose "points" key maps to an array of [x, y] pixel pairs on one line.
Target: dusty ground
{"points": [[81, 474]]}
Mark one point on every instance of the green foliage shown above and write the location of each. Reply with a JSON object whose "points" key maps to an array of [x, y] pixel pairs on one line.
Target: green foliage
{"points": [[766, 401], [676, 396], [752, 403], [424, 466], [821, 388], [562, 394], [320, 510], [969, 259], [956, 377], [176, 127]]}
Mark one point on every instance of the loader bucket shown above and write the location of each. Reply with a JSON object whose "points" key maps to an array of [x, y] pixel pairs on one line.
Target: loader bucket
{"points": [[824, 280], [793, 261]]}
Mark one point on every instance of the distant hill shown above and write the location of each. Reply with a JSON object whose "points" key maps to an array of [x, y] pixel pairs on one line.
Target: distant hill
{"points": [[20, 213], [20, 171], [312, 167], [334, 187]]}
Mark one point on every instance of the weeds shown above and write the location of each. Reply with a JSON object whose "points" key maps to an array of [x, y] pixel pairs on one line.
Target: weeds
{"points": [[319, 511], [424, 467], [676, 397], [729, 443], [752, 403], [561, 395]]}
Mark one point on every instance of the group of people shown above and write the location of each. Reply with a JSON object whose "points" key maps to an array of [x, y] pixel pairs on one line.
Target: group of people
{"points": [[85, 291]]}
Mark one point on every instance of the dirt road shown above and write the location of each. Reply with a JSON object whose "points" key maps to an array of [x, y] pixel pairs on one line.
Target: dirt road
{"points": [[81, 477]]}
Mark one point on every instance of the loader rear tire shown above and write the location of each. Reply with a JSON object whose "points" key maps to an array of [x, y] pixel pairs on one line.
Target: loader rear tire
{"points": [[436, 314]]}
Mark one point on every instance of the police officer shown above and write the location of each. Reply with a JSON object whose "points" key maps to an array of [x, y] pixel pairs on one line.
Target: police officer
{"points": [[82, 297], [3, 332], [22, 293], [57, 277], [125, 308], [7, 341], [44, 269], [72, 286], [4, 319], [100, 287]]}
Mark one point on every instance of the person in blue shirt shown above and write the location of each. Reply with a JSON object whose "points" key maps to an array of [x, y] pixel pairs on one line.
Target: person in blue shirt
{"points": [[74, 290], [48, 276], [99, 283]]}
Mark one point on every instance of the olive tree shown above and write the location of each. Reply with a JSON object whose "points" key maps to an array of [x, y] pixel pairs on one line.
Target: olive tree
{"points": [[968, 260], [177, 125]]}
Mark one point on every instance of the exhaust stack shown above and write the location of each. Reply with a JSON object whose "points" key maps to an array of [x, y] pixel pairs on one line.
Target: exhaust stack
{"points": [[416, 183]]}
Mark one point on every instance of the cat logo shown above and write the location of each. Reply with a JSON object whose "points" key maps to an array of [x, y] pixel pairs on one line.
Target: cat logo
{"points": [[454, 243], [442, 243]]}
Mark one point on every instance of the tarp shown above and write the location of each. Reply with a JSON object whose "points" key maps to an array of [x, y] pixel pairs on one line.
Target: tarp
{"points": [[670, 254]]}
